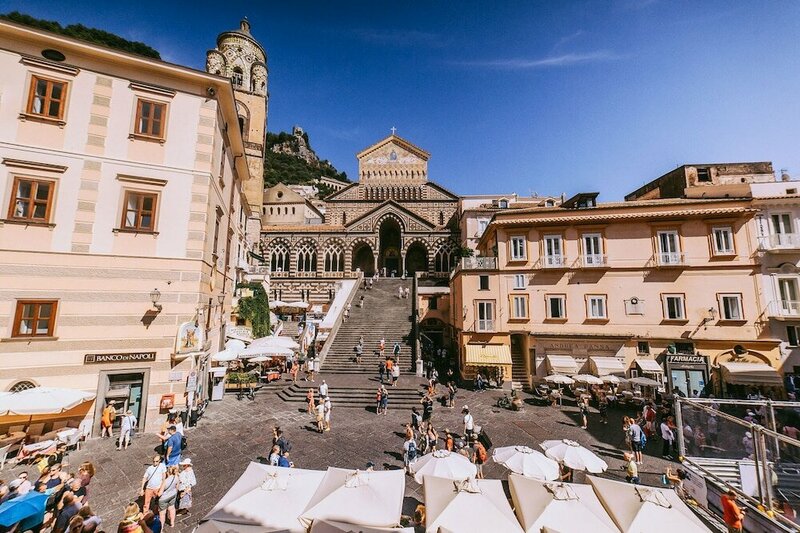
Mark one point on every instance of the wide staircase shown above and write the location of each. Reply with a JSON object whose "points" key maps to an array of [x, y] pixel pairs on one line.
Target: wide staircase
{"points": [[352, 384]]}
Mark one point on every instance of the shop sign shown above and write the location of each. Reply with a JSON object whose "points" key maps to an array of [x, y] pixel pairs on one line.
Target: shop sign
{"points": [[695, 486], [191, 381], [176, 376], [135, 357], [590, 346], [687, 359]]}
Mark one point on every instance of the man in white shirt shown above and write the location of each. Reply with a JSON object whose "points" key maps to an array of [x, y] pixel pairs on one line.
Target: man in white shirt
{"points": [[127, 425], [469, 424], [323, 389], [327, 410], [668, 437], [151, 481]]}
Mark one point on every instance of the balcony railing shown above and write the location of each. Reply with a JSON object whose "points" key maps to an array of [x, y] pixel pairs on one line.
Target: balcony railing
{"points": [[593, 261], [554, 261], [779, 241], [784, 308], [260, 270], [485, 325], [666, 259], [478, 263]]}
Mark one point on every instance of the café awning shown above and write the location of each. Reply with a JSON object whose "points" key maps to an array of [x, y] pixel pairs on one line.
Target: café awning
{"points": [[649, 366], [604, 366], [750, 374], [488, 354], [562, 364]]}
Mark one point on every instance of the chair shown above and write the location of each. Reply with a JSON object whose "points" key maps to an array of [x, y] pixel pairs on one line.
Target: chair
{"points": [[74, 440], [4, 455]]}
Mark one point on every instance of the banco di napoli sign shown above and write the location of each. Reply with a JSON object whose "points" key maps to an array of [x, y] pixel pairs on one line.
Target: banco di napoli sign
{"points": [[135, 357]]}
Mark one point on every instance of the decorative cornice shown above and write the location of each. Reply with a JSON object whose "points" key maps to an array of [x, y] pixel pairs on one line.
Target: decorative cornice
{"points": [[63, 68], [141, 180], [154, 89], [34, 165]]}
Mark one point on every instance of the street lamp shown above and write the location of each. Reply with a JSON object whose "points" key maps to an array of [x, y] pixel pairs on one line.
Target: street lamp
{"points": [[155, 296], [221, 299]]}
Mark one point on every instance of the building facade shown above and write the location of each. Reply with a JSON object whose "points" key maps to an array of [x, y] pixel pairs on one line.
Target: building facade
{"points": [[124, 217]]}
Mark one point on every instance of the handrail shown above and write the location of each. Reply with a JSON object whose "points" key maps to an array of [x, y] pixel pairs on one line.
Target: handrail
{"points": [[339, 320]]}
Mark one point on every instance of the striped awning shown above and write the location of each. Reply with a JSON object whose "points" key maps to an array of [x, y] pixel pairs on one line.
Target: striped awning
{"points": [[750, 374], [649, 366], [562, 364], [488, 354], [605, 366]]}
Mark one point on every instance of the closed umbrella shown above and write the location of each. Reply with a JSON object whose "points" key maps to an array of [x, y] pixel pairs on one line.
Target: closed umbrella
{"points": [[559, 379], [444, 464], [29, 508], [526, 461], [643, 382], [573, 455], [588, 379], [43, 401]]}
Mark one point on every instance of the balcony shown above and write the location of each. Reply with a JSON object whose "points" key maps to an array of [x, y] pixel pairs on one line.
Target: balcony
{"points": [[784, 309], [259, 270], [592, 261], [670, 259], [779, 242], [554, 261], [475, 263]]}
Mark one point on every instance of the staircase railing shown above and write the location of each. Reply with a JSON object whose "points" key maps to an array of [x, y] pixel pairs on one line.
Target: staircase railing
{"points": [[326, 347]]}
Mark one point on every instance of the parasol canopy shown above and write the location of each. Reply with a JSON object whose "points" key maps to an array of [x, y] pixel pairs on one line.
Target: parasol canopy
{"points": [[444, 464], [559, 379], [588, 379], [42, 401], [526, 461], [573, 455]]}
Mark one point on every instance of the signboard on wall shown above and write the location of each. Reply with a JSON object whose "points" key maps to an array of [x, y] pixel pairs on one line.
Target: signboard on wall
{"points": [[133, 357], [695, 486]]}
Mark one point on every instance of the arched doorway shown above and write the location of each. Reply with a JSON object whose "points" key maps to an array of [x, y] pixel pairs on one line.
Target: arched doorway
{"points": [[416, 258], [389, 257], [364, 259]]}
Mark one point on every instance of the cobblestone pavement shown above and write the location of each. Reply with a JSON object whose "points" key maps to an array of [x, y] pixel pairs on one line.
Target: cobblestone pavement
{"points": [[234, 432]]}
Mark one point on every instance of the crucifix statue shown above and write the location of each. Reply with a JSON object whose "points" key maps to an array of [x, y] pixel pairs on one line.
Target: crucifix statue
{"points": [[394, 130]]}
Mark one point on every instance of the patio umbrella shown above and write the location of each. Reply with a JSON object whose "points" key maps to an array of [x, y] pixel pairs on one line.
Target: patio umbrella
{"points": [[644, 382], [637, 508], [565, 507], [470, 505], [235, 345], [43, 401], [30, 506], [588, 379], [327, 526], [444, 464], [616, 380], [297, 305], [215, 526], [276, 304], [254, 351], [259, 359], [224, 355], [559, 379], [526, 461], [573, 455], [283, 342]]}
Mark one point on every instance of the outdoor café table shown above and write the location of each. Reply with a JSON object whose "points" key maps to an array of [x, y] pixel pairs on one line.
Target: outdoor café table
{"points": [[32, 450]]}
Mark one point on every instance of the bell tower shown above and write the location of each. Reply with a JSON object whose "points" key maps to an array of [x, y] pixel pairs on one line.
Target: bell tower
{"points": [[241, 58]]}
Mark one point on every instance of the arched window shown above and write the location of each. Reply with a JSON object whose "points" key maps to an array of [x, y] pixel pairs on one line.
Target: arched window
{"points": [[293, 210], [279, 257], [344, 219], [445, 258], [20, 386], [306, 257], [241, 124], [334, 258], [238, 77], [270, 211], [441, 218]]}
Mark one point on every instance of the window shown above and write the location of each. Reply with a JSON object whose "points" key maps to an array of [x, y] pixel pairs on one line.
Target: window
{"points": [[519, 281], [723, 240], [553, 255], [433, 303], [34, 318], [596, 307], [306, 257], [237, 77], [482, 224], [593, 249], [674, 308], [782, 229], [279, 257], [483, 283], [150, 119], [643, 347], [47, 98], [334, 258], [730, 307], [216, 233], [518, 248], [485, 312], [519, 306], [788, 291], [669, 249], [793, 335], [20, 386], [140, 211], [556, 306], [31, 200], [503, 204], [703, 175], [441, 218]]}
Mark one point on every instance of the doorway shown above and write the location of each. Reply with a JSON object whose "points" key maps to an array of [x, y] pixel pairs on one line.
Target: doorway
{"points": [[416, 258], [389, 253], [688, 381], [364, 259], [129, 391]]}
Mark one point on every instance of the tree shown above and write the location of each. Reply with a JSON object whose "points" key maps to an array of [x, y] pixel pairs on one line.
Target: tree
{"points": [[255, 309]]}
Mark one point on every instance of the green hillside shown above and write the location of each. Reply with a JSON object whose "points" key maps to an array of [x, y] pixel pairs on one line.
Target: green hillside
{"points": [[292, 169]]}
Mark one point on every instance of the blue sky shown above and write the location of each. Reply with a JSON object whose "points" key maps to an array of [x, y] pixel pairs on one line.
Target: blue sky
{"points": [[517, 96]]}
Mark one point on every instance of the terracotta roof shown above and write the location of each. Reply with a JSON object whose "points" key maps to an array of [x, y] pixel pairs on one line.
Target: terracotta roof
{"points": [[597, 217]]}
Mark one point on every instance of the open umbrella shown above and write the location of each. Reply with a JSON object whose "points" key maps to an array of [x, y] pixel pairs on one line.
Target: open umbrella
{"points": [[644, 382], [526, 461], [470, 505], [444, 464], [328, 526], [224, 355], [573, 455], [588, 379], [235, 345], [29, 507], [43, 401], [559, 379], [276, 304], [283, 342], [273, 351], [616, 380]]}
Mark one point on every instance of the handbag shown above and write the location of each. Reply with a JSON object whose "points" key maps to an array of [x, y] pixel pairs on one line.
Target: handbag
{"points": [[185, 501], [144, 485]]}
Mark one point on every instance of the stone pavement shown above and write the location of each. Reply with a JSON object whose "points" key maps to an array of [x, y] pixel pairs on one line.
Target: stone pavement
{"points": [[233, 432]]}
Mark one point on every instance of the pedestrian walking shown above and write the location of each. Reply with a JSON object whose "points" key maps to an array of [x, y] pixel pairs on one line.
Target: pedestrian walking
{"points": [[382, 346], [126, 428], [449, 441], [416, 419], [358, 349], [433, 438], [428, 369], [186, 480], [294, 370], [395, 374], [407, 292], [320, 415], [409, 453], [381, 369], [280, 440], [327, 406], [479, 458], [151, 481], [107, 420], [631, 469], [172, 447], [451, 394], [361, 302], [427, 411], [310, 400], [168, 496], [400, 293], [378, 396], [274, 455], [584, 408], [389, 369], [667, 436], [636, 433], [323, 389], [469, 424], [602, 406], [732, 514], [396, 350]]}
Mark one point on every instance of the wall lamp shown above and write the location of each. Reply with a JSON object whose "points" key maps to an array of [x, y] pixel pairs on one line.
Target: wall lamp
{"points": [[155, 296]]}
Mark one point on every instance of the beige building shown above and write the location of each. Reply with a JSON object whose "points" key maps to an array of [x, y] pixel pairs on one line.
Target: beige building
{"points": [[666, 288], [124, 212]]}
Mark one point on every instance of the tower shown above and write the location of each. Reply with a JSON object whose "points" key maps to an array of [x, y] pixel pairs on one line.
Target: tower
{"points": [[241, 58]]}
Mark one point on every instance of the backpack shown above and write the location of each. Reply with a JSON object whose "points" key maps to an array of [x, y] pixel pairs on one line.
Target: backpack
{"points": [[412, 450], [643, 441]]}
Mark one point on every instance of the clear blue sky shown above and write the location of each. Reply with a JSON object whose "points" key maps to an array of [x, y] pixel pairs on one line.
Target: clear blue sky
{"points": [[516, 96]]}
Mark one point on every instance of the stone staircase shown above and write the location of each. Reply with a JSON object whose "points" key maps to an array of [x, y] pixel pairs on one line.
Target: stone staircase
{"points": [[519, 377]]}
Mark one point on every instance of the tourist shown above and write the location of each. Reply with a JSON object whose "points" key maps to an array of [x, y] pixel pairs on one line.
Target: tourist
{"points": [[732, 514], [323, 389], [347, 313], [480, 458], [311, 368], [274, 455], [416, 419], [359, 350], [86, 473], [432, 438], [451, 394], [361, 301], [186, 480], [427, 411], [22, 486], [408, 291], [280, 440], [676, 480], [310, 400], [667, 436], [382, 345], [151, 481], [294, 370], [378, 400], [409, 453], [384, 400], [172, 454], [396, 350], [564, 473], [435, 378], [91, 522], [469, 424], [631, 469], [132, 520], [168, 496], [583, 405], [327, 407], [636, 433], [107, 420], [152, 521], [400, 292], [389, 369], [395, 374], [69, 508], [747, 442], [449, 441], [126, 428], [320, 415], [381, 370], [409, 432], [283, 461], [428, 368], [602, 407]]}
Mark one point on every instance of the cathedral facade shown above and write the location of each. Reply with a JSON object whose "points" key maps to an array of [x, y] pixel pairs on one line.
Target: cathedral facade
{"points": [[394, 221]]}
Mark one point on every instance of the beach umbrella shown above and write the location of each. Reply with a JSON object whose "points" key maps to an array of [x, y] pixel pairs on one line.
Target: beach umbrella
{"points": [[42, 401], [573, 455], [297, 305], [588, 379], [616, 380], [283, 342], [224, 355], [637, 508], [444, 464], [469, 505], [526, 461], [643, 382], [559, 379], [29, 507], [546, 506], [235, 345]]}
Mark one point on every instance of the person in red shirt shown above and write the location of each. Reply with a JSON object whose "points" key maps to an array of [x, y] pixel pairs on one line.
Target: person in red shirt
{"points": [[732, 515]]}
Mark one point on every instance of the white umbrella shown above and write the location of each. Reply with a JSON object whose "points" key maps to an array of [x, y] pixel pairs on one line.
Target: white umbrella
{"points": [[327, 526], [254, 351], [283, 342], [297, 305], [560, 379], [265, 498], [470, 505], [235, 345], [565, 507], [224, 355], [588, 379], [42, 401], [215, 526], [259, 359], [644, 382], [637, 508], [616, 380], [366, 499], [444, 464], [276, 303], [526, 461], [573, 455]]}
